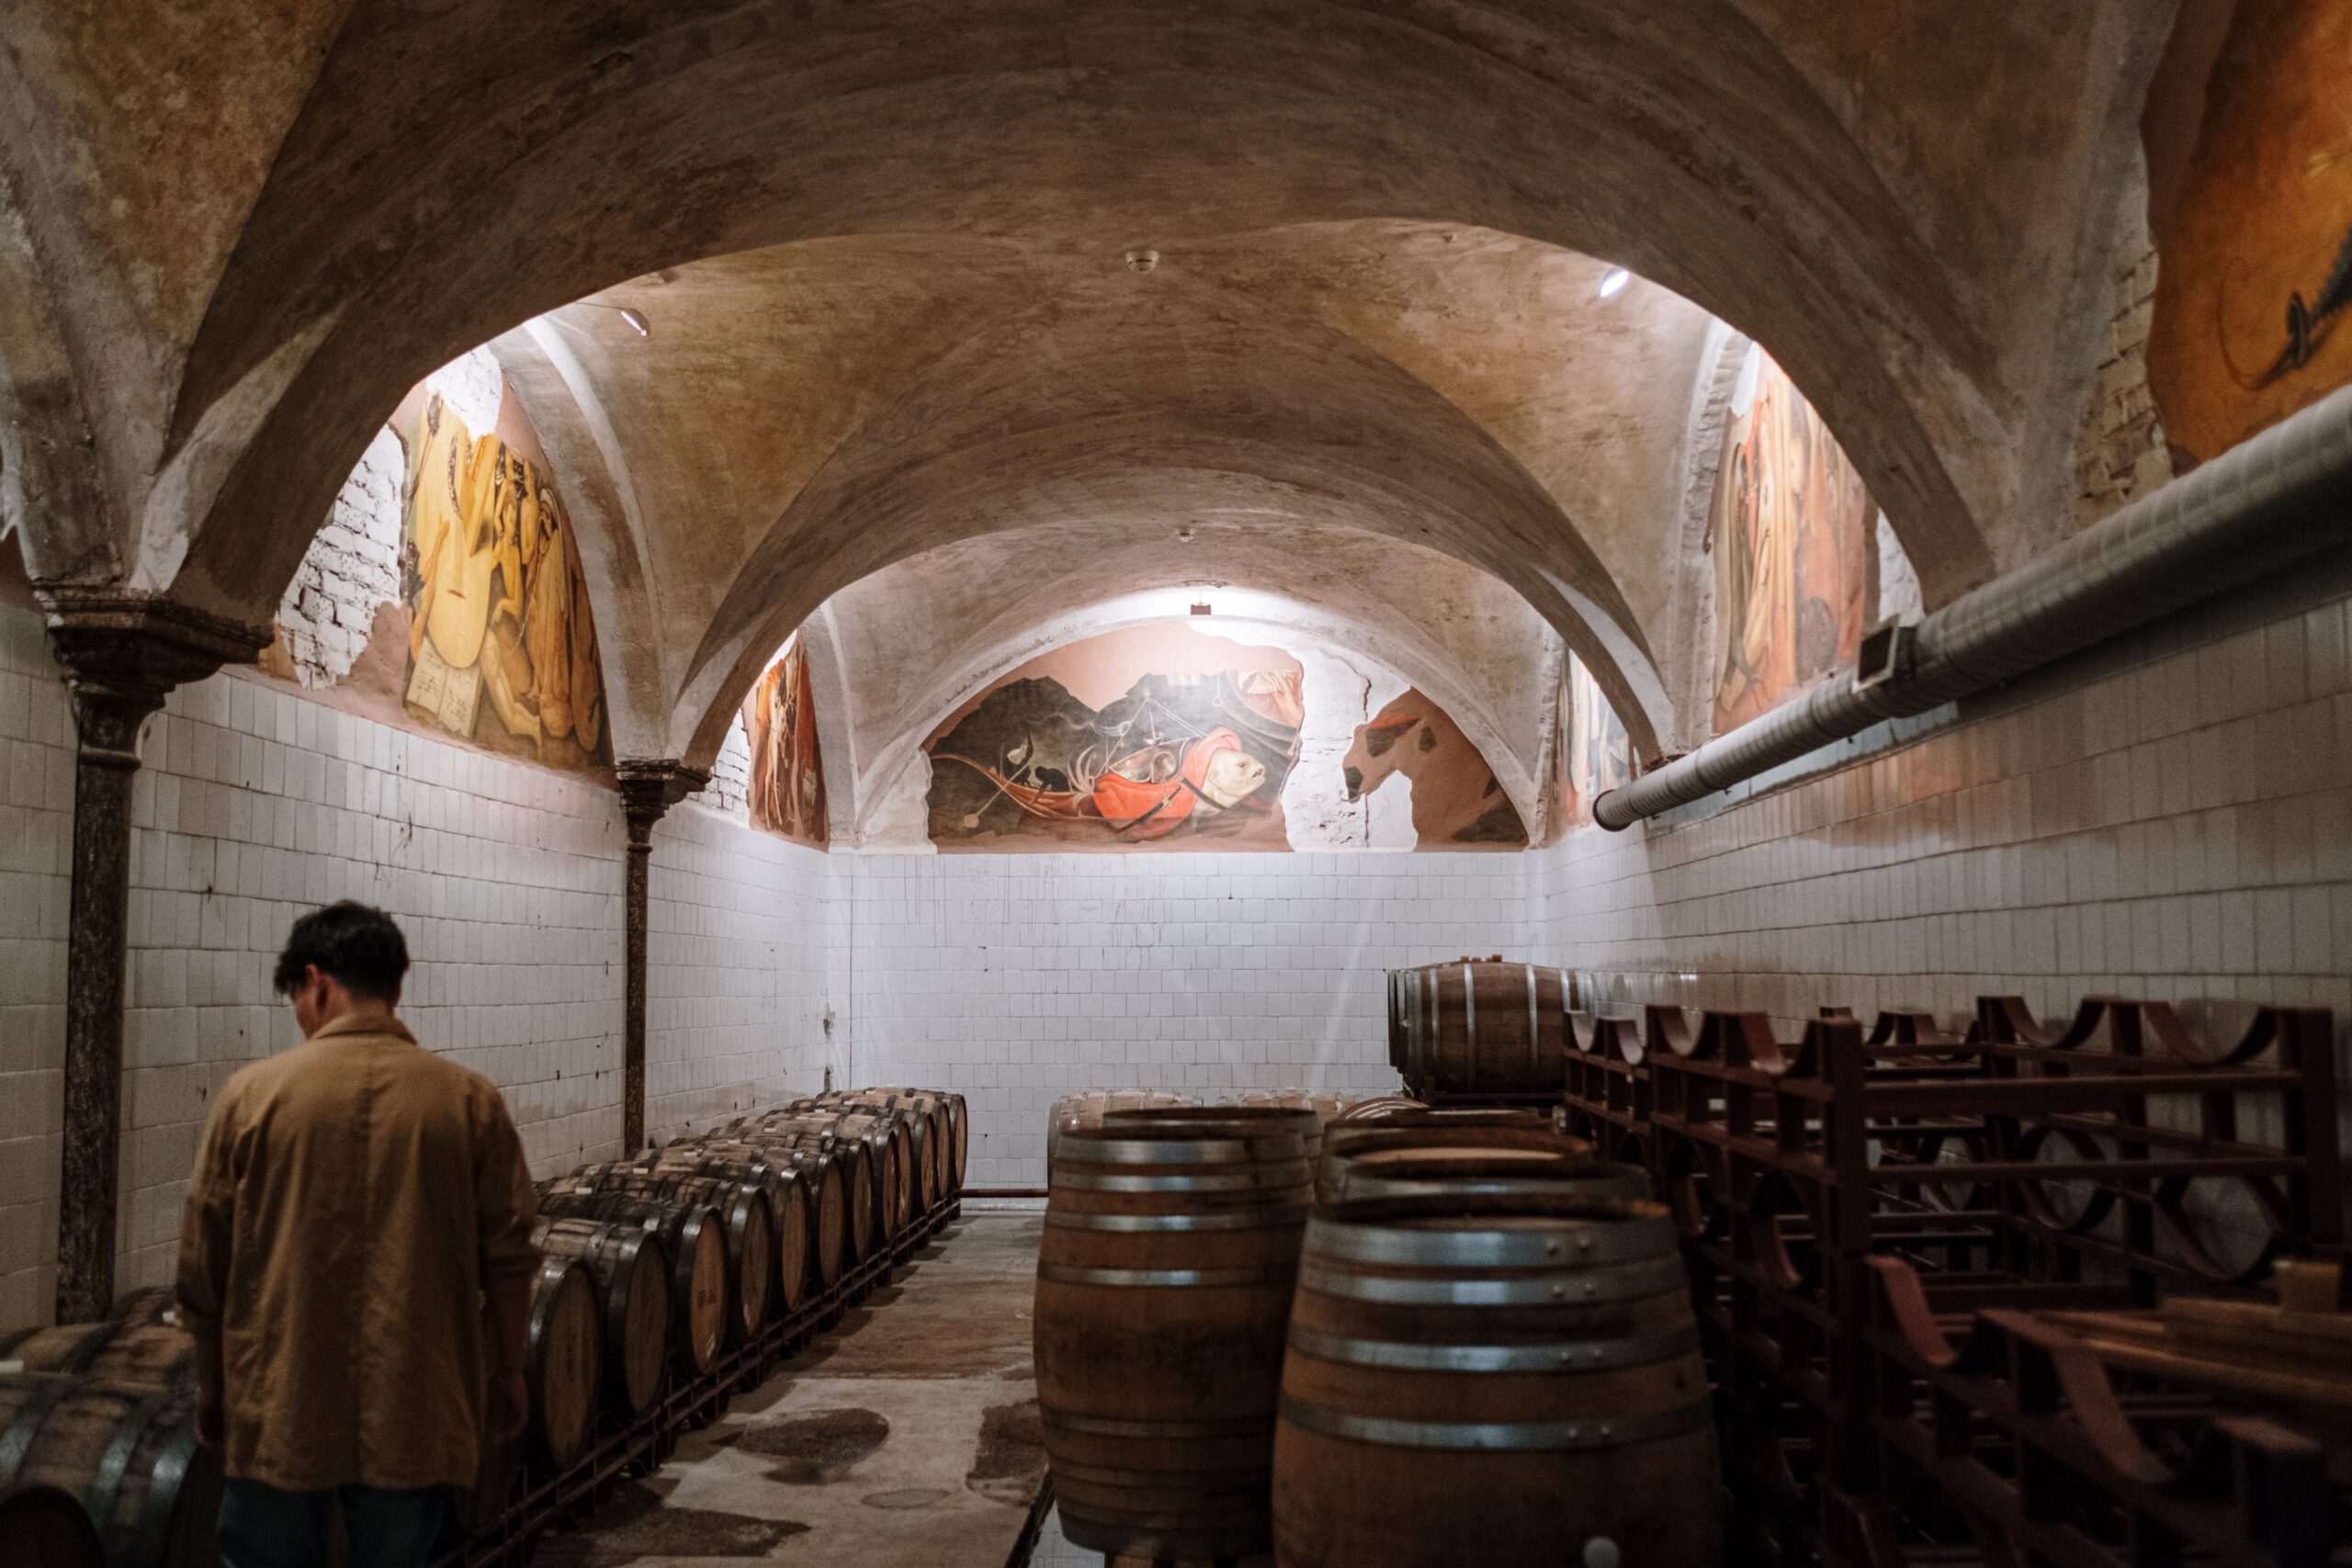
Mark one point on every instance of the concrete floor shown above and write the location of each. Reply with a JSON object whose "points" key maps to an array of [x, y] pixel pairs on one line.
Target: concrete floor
{"points": [[907, 1435]]}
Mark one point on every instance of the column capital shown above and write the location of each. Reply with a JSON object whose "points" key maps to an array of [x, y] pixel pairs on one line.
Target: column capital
{"points": [[650, 787], [123, 651]]}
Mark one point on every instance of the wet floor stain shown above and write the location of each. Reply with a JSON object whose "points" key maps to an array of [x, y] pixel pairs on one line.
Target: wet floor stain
{"points": [[637, 1523], [1010, 1461], [905, 1497], [812, 1450]]}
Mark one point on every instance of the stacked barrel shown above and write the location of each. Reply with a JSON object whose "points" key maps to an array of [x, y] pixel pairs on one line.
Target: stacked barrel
{"points": [[1453, 1338], [1479, 1029], [101, 1417]]}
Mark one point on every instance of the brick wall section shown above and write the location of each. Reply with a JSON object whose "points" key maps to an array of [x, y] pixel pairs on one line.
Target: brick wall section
{"points": [[2120, 452], [256, 804], [1016, 979], [351, 567]]}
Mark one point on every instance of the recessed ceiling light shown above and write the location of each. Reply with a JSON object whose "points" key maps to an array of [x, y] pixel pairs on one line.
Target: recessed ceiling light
{"points": [[1201, 607], [1615, 280], [1142, 260]]}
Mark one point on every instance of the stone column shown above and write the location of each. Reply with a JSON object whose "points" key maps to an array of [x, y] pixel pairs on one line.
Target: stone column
{"points": [[650, 787], [123, 654]]}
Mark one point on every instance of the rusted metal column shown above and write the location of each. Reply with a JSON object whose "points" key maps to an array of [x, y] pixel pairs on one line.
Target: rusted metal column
{"points": [[123, 654], [649, 787]]}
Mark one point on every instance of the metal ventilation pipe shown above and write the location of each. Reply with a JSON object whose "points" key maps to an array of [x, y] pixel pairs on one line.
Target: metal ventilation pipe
{"points": [[2281, 497]]}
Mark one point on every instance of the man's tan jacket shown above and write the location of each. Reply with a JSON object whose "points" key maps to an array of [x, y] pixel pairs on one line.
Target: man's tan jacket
{"points": [[352, 1199]]}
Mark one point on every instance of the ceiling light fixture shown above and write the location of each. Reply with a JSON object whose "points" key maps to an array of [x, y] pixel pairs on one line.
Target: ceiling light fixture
{"points": [[1614, 282], [1142, 260], [1184, 535], [630, 313], [1201, 607]]}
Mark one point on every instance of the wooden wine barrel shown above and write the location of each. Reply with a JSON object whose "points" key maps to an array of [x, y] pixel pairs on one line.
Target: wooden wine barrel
{"points": [[886, 1160], [1482, 1027], [822, 1193], [1328, 1108], [960, 1125], [929, 1126], [1380, 1108], [1406, 991], [694, 1247], [138, 1348], [44, 1526], [787, 1199], [1360, 1148], [564, 1367], [746, 1226], [1428, 1173], [127, 1451], [1164, 1280], [812, 1134], [1507, 1379], [1087, 1109], [632, 1275]]}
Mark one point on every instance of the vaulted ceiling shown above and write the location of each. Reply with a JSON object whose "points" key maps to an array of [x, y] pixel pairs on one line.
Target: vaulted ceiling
{"points": [[960, 312]]}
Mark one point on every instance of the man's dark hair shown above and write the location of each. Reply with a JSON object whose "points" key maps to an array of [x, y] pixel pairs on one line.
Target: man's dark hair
{"points": [[356, 945]]}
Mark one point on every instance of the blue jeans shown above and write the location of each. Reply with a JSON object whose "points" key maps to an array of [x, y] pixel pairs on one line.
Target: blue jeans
{"points": [[262, 1527]]}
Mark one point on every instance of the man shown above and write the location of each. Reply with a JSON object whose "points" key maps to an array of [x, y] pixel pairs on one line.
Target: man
{"points": [[354, 1202]]}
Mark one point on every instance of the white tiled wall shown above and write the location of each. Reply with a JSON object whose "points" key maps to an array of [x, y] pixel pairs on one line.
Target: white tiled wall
{"points": [[2171, 818], [1016, 979], [256, 803]]}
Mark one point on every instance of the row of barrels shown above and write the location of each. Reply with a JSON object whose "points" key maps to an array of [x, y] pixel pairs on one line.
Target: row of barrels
{"points": [[1480, 1026], [650, 1269], [99, 1465], [1453, 1338], [653, 1266]]}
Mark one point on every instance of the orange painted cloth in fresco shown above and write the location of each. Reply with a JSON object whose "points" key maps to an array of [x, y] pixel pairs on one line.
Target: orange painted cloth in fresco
{"points": [[1153, 810], [352, 1198]]}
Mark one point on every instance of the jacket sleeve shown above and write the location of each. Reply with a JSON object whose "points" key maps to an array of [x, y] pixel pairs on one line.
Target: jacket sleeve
{"points": [[505, 1200], [208, 1228]]}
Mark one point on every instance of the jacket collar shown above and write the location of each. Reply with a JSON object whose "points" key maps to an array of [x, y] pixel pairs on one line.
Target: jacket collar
{"points": [[375, 1023]]}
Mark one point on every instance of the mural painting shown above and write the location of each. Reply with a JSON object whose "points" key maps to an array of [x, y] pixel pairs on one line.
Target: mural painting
{"points": [[1790, 531], [2252, 227], [1598, 755], [787, 790], [502, 645], [1458, 804], [1154, 738]]}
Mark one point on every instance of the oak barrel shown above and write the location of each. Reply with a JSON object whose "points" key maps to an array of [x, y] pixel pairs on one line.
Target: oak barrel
{"points": [[886, 1159], [45, 1527], [823, 1196], [563, 1365], [127, 1451], [1087, 1109], [694, 1250], [813, 1135], [1164, 1278], [1485, 1027], [631, 1271], [1500, 1380], [787, 1198], [1425, 1172], [1380, 1107], [746, 1227], [929, 1124], [136, 1348], [1497, 1135]]}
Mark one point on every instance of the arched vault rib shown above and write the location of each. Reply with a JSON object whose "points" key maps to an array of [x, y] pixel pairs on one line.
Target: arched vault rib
{"points": [[910, 643], [1676, 139], [1136, 421]]}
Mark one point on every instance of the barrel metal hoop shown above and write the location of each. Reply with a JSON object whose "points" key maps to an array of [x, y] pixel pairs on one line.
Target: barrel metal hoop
{"points": [[1569, 1287], [1238, 1181], [1469, 1028], [17, 1442], [1174, 1431], [1619, 1241], [1561, 1356], [161, 1504], [105, 1486], [1255, 1149], [1255, 1219], [1532, 1074], [1532, 1437], [1258, 1274]]}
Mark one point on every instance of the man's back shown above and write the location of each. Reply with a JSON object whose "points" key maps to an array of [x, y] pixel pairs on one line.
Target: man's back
{"points": [[352, 1199]]}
